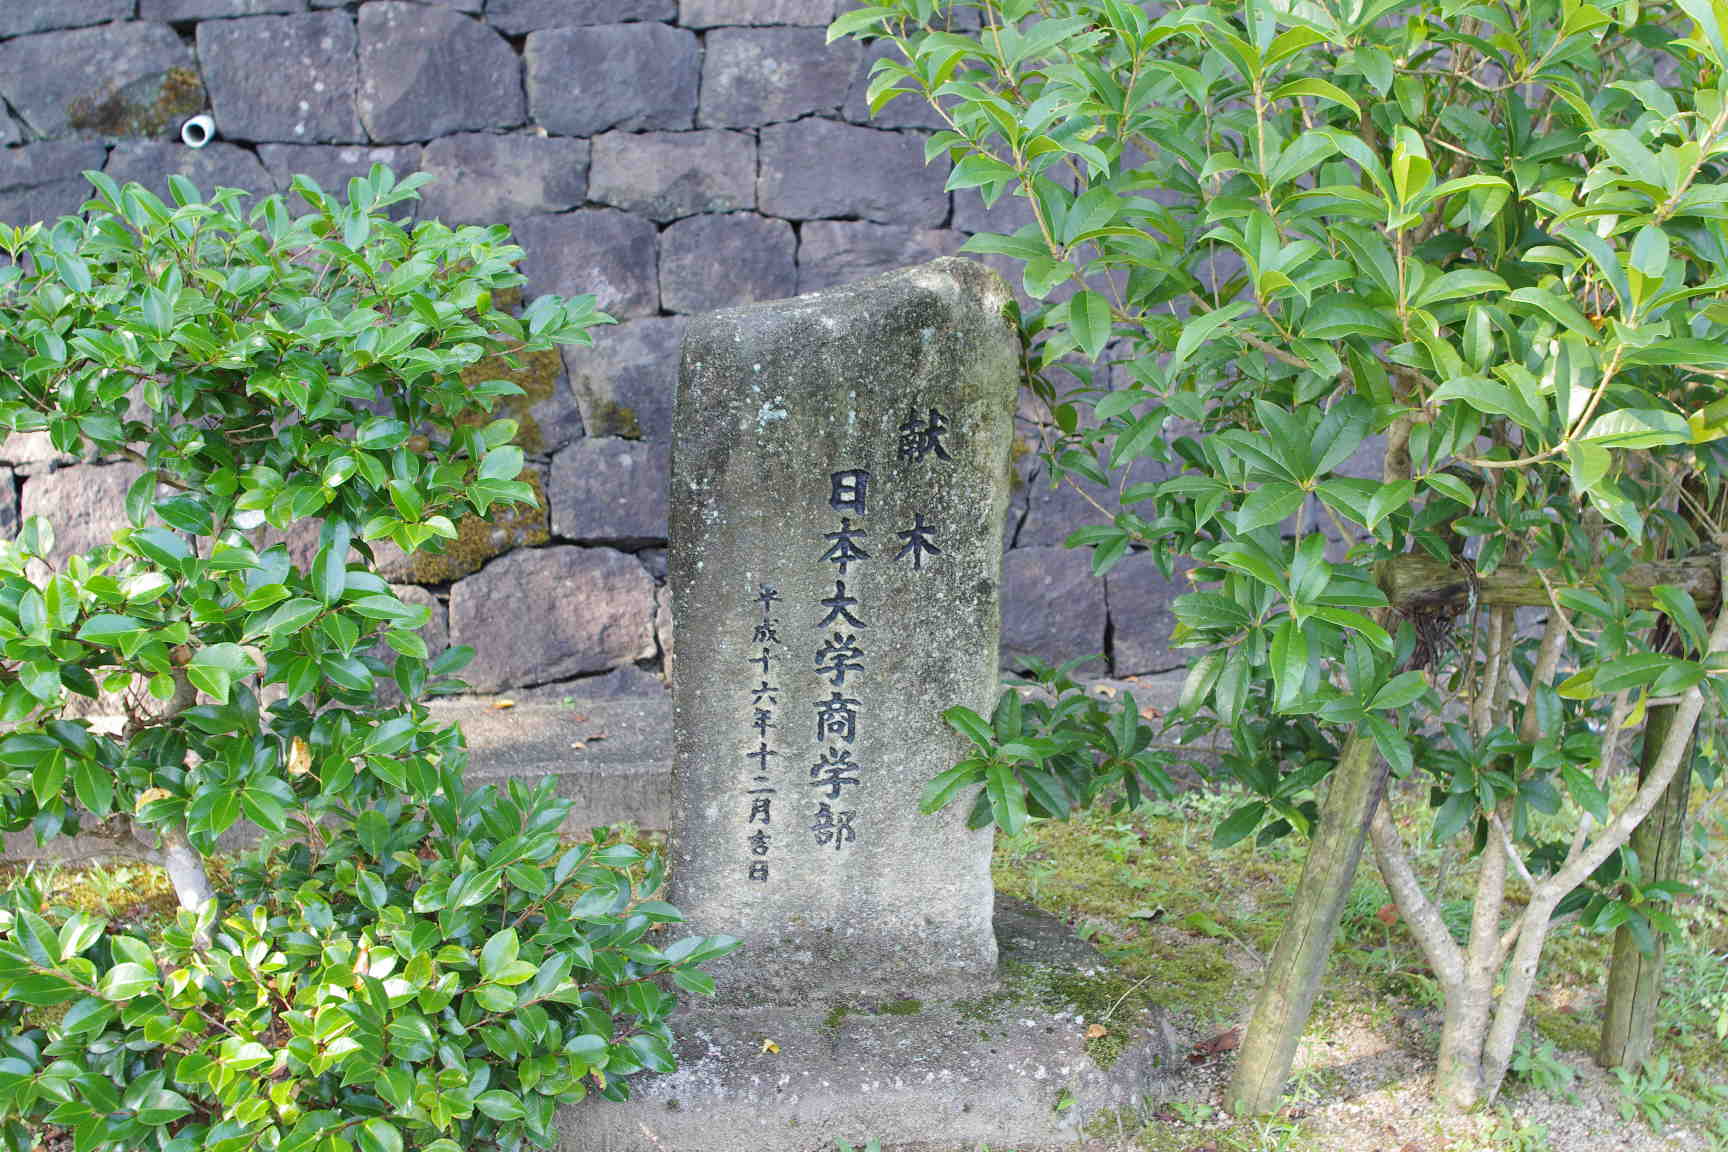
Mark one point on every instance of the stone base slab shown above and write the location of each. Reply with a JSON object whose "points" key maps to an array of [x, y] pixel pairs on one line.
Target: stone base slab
{"points": [[1009, 1068]]}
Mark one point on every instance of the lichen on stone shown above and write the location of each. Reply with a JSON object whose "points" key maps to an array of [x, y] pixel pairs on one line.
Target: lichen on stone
{"points": [[146, 108]]}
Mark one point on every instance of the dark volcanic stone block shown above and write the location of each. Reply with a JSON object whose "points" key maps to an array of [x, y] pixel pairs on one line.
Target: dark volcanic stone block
{"points": [[1052, 608], [304, 96], [608, 253], [665, 175], [709, 262], [753, 76], [61, 83], [544, 614], [582, 81], [519, 17], [610, 492], [816, 169], [834, 252], [624, 383], [427, 72], [485, 179]]}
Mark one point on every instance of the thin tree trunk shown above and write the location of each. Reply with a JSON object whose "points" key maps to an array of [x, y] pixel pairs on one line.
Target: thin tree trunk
{"points": [[183, 863], [1458, 1079], [1635, 979], [1299, 962], [1584, 859]]}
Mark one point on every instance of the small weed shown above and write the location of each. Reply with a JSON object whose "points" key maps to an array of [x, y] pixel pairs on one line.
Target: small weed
{"points": [[1651, 1095], [1538, 1064], [1511, 1134]]}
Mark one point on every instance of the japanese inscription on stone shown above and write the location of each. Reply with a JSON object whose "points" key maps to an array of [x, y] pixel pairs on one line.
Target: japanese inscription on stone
{"points": [[840, 473]]}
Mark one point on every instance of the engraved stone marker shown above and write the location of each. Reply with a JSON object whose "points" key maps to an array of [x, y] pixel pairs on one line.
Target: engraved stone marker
{"points": [[839, 476]]}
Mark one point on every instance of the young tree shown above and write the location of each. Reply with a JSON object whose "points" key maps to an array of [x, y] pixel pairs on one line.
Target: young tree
{"points": [[1491, 237], [401, 964]]}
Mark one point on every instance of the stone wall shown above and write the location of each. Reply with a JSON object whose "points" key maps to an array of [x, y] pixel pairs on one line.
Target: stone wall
{"points": [[671, 156]]}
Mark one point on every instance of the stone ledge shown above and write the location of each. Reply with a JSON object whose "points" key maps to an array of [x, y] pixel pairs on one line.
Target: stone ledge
{"points": [[621, 773], [1002, 1069]]}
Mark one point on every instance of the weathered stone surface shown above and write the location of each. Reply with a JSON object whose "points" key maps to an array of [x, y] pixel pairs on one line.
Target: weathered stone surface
{"points": [[1052, 608], [304, 95], [782, 409], [582, 81], [150, 107], [908, 110], [611, 254], [485, 179], [213, 9], [1006, 1068], [625, 382], [22, 17], [86, 504], [546, 614], [1008, 215], [818, 168], [665, 175], [610, 492], [477, 541], [8, 502], [834, 252], [48, 78], [709, 262], [1053, 513], [42, 181], [151, 162], [609, 755], [753, 76], [518, 17], [49, 161], [333, 165], [427, 72], [1139, 599], [713, 13]]}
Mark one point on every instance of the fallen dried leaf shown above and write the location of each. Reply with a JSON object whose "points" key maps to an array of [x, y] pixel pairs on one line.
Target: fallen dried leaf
{"points": [[1412, 1146], [1223, 1042], [1094, 1031], [578, 745], [1388, 914], [504, 703], [1149, 713], [299, 757], [769, 1046], [596, 736]]}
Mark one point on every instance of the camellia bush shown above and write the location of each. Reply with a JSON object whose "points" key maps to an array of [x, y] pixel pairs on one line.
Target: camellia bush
{"points": [[399, 963], [1482, 247]]}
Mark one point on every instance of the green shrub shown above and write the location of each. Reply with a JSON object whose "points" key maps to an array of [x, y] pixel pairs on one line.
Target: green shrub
{"points": [[400, 964]]}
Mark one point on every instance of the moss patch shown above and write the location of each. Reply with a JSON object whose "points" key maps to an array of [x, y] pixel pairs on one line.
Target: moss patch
{"points": [[536, 373], [900, 1008], [610, 418], [477, 540], [1570, 1031]]}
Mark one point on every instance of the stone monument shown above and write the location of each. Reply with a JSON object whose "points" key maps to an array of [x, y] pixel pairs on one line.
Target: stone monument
{"points": [[840, 473]]}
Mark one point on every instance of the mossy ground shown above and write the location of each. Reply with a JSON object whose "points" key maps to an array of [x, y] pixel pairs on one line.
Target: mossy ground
{"points": [[1186, 926]]}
